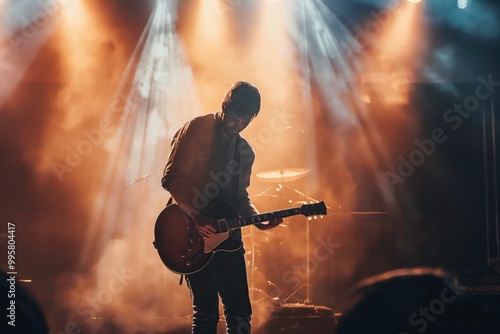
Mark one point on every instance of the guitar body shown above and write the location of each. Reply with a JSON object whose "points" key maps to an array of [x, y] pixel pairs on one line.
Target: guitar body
{"points": [[180, 246], [183, 250]]}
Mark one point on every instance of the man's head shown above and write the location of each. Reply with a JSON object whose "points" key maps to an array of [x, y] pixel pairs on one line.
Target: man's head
{"points": [[241, 104]]}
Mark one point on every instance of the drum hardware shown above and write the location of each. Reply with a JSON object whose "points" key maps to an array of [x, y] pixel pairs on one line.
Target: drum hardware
{"points": [[280, 189], [291, 312], [282, 175]]}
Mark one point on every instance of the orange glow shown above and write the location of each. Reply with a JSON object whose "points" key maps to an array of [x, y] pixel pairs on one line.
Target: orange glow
{"points": [[78, 59], [84, 46], [400, 40], [245, 41], [366, 98], [207, 25], [206, 42], [271, 47], [222, 49], [394, 63]]}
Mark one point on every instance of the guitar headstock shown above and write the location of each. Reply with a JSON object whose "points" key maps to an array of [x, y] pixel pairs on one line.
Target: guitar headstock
{"points": [[313, 209]]}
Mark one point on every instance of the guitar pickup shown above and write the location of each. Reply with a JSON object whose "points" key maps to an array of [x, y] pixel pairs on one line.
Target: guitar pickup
{"points": [[222, 225]]}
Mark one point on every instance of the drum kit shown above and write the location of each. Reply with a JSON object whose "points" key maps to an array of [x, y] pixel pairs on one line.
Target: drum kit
{"points": [[272, 248], [278, 195]]}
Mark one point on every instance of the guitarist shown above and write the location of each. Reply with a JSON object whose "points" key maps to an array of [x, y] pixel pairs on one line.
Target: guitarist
{"points": [[210, 162]]}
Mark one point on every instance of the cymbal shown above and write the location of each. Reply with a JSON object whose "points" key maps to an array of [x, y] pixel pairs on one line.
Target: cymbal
{"points": [[280, 175]]}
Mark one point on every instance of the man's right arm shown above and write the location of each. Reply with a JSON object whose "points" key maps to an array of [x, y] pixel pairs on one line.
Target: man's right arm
{"points": [[180, 167], [180, 161], [180, 172]]}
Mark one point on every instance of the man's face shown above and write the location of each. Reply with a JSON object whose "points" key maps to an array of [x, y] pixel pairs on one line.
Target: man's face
{"points": [[234, 124]]}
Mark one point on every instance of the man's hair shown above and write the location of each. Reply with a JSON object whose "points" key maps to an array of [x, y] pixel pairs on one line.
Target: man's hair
{"points": [[242, 98]]}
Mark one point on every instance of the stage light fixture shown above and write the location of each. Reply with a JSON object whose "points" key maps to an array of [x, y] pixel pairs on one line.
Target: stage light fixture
{"points": [[462, 4]]}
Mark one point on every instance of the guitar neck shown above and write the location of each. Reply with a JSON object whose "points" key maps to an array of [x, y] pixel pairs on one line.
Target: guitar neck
{"points": [[262, 217]]}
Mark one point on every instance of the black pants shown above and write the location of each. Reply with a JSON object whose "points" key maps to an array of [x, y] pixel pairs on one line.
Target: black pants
{"points": [[226, 276]]}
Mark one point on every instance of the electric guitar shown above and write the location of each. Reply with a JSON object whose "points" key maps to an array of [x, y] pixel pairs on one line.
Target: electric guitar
{"points": [[184, 251]]}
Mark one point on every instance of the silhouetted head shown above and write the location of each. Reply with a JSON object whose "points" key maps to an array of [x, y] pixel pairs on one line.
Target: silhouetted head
{"points": [[240, 106]]}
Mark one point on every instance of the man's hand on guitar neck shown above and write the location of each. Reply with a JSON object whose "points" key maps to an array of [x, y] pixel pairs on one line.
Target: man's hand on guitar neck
{"points": [[272, 223]]}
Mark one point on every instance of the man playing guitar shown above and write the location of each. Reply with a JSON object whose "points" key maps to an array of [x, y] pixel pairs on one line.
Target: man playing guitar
{"points": [[209, 163]]}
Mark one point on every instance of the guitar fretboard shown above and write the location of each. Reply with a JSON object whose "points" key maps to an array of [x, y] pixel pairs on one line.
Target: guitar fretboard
{"points": [[262, 217]]}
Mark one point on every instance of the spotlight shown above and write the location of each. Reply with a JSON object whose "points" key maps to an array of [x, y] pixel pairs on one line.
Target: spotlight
{"points": [[414, 1], [462, 4]]}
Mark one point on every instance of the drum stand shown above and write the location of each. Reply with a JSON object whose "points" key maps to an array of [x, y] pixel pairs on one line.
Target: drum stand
{"points": [[284, 189], [253, 270], [308, 273], [285, 316]]}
